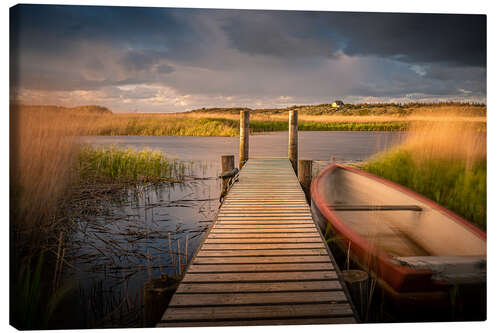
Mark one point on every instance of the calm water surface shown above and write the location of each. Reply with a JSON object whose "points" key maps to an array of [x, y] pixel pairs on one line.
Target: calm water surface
{"points": [[345, 146], [156, 230]]}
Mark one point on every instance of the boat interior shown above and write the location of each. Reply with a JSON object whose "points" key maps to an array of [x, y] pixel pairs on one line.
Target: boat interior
{"points": [[407, 229]]}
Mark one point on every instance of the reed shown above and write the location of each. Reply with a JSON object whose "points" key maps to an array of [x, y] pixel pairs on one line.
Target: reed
{"points": [[445, 162], [161, 125], [43, 153], [120, 165]]}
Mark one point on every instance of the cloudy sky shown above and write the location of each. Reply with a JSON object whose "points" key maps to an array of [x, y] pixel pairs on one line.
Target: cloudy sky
{"points": [[171, 59]]}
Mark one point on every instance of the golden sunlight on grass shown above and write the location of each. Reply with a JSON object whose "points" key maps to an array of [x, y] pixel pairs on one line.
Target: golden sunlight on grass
{"points": [[43, 152], [444, 161]]}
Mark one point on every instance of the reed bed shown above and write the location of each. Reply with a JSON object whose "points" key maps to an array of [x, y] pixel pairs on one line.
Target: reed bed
{"points": [[119, 165], [54, 184], [444, 161], [225, 122], [161, 125]]}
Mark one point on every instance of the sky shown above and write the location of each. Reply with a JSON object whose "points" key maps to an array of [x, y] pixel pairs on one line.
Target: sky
{"points": [[133, 59]]}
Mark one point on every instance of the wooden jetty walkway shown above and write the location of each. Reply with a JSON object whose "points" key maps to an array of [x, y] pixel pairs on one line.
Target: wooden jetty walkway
{"points": [[263, 262]]}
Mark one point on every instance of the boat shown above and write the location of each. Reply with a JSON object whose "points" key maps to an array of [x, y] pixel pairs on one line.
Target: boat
{"points": [[416, 249]]}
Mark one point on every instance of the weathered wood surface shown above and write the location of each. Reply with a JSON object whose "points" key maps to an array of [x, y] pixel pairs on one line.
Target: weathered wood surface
{"points": [[263, 262]]}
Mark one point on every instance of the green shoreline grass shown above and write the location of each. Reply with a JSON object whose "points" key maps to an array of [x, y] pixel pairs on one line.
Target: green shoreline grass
{"points": [[128, 166], [450, 183], [173, 127], [270, 126], [230, 127]]}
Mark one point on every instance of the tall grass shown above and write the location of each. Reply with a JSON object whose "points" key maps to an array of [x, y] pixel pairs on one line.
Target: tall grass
{"points": [[445, 161], [46, 162], [43, 152], [274, 125], [162, 125], [118, 165]]}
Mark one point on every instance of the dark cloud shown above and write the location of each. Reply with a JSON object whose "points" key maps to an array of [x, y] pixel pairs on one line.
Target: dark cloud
{"points": [[162, 54], [282, 34], [456, 39], [139, 60], [164, 69]]}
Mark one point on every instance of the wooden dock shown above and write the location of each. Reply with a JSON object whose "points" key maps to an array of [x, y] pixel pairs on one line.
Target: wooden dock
{"points": [[263, 262]]}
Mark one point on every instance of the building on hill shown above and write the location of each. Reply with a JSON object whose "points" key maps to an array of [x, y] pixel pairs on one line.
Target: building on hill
{"points": [[337, 104]]}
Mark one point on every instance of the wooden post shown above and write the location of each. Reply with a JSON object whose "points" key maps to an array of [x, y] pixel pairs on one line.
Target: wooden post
{"points": [[244, 136], [305, 176], [357, 283], [227, 164], [293, 138], [157, 295]]}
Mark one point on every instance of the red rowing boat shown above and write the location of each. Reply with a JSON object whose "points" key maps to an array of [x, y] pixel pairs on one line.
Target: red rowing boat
{"points": [[413, 246]]}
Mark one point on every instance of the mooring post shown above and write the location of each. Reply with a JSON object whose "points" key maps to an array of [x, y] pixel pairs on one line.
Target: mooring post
{"points": [[305, 176], [244, 136], [227, 164], [293, 138], [157, 295], [357, 283]]}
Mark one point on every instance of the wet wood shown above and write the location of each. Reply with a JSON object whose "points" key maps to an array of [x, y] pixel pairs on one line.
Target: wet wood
{"points": [[263, 262]]}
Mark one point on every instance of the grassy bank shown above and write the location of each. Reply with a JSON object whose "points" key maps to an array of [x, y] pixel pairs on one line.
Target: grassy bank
{"points": [[445, 162], [225, 122], [362, 110], [270, 126]]}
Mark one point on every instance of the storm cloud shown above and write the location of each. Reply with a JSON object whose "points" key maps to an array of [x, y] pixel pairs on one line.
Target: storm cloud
{"points": [[173, 59]]}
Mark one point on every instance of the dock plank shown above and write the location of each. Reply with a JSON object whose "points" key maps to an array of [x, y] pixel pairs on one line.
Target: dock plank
{"points": [[273, 246], [260, 276], [232, 268], [258, 311], [258, 298], [264, 322], [261, 253], [263, 261], [263, 235], [262, 240], [262, 287]]}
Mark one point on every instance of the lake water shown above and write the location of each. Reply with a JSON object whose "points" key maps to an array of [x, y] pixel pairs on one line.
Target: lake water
{"points": [[345, 146], [155, 230]]}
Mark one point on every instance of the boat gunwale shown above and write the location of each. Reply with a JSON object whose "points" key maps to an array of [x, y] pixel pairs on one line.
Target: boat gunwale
{"points": [[457, 218], [365, 246]]}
